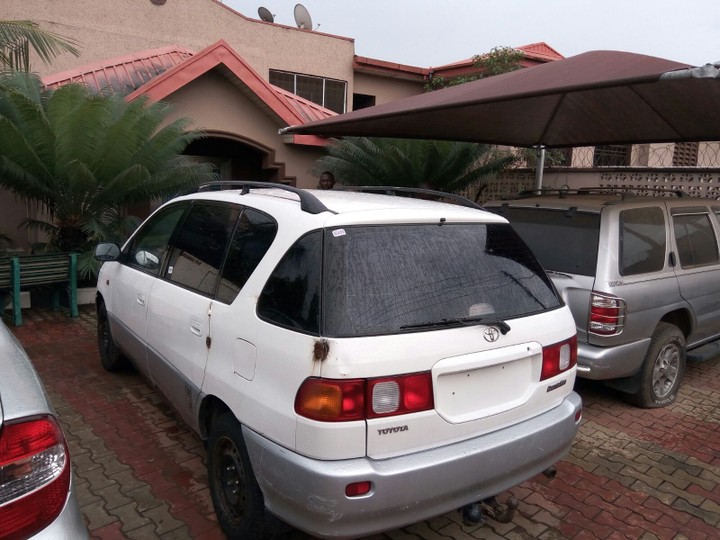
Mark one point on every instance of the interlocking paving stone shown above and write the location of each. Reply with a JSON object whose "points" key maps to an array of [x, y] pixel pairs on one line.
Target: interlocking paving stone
{"points": [[140, 472]]}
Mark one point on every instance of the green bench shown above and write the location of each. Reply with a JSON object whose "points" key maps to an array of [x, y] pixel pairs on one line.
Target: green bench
{"points": [[56, 271]]}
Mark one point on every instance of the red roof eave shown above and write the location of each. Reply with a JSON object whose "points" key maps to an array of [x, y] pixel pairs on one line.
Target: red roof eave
{"points": [[220, 53], [392, 69]]}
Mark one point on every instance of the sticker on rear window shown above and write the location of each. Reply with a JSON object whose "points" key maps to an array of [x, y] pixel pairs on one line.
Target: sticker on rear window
{"points": [[338, 232]]}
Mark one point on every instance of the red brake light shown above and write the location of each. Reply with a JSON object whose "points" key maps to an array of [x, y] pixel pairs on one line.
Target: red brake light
{"points": [[607, 315], [332, 400], [559, 358], [358, 489], [34, 476]]}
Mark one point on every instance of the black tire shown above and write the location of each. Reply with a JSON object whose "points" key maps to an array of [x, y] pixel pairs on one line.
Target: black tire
{"points": [[237, 498], [110, 356], [663, 368]]}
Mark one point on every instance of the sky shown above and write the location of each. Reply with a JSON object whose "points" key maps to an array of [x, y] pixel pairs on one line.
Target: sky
{"points": [[427, 33]]}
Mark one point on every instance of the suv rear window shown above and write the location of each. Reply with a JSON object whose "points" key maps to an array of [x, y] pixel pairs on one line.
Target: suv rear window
{"points": [[562, 240], [382, 279]]}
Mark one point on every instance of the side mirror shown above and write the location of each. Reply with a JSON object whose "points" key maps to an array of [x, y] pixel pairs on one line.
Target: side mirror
{"points": [[107, 251]]}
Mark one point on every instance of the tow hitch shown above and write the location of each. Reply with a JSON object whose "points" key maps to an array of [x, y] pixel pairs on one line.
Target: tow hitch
{"points": [[477, 513]]}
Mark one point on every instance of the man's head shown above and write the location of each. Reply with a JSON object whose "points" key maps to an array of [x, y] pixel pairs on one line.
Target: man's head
{"points": [[327, 180]]}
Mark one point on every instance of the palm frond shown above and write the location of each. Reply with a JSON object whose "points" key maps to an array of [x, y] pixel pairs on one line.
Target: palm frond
{"points": [[17, 38], [440, 165]]}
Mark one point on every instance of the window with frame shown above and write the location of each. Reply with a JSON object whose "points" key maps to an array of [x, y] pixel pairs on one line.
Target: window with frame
{"points": [[149, 246], [695, 238], [252, 238], [199, 248], [329, 93], [291, 297], [642, 241]]}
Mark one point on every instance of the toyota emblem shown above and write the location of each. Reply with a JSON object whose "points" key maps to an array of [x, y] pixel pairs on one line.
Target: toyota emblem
{"points": [[491, 334]]}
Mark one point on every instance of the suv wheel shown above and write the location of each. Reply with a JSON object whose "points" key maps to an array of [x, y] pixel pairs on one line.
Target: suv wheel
{"points": [[663, 368], [110, 356], [235, 492]]}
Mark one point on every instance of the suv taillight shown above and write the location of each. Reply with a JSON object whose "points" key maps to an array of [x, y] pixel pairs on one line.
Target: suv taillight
{"points": [[335, 400], [558, 358], [607, 315], [34, 475]]}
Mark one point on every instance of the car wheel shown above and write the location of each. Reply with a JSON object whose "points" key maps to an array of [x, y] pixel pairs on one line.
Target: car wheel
{"points": [[663, 368], [237, 498], [110, 356]]}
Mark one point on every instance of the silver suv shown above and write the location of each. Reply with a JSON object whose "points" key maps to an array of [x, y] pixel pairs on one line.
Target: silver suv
{"points": [[356, 361], [640, 274]]}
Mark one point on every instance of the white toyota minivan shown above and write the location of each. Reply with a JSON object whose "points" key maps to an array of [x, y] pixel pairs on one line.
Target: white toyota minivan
{"points": [[356, 361]]}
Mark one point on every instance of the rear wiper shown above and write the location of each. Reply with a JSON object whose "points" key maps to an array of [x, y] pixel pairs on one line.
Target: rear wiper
{"points": [[463, 321]]}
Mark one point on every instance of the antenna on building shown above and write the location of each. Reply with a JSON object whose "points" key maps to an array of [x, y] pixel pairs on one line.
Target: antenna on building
{"points": [[265, 14], [302, 17]]}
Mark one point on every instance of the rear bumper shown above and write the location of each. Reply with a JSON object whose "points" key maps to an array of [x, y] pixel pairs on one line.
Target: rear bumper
{"points": [[602, 363], [310, 494]]}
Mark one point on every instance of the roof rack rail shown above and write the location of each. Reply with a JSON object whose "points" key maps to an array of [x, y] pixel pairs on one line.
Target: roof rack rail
{"points": [[564, 191], [400, 191], [630, 190], [308, 202]]}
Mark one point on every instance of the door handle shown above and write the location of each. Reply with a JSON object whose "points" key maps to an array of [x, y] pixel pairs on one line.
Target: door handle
{"points": [[196, 327], [141, 299]]}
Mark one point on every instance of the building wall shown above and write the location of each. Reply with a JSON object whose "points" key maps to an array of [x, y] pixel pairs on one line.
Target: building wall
{"points": [[385, 89], [241, 117], [110, 28]]}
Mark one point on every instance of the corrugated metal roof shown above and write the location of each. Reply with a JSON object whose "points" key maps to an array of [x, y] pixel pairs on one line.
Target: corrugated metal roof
{"points": [[308, 110], [123, 74]]}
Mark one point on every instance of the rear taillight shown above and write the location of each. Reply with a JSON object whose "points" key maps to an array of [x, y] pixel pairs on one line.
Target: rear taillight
{"points": [[607, 315], [34, 475], [399, 395], [333, 400], [559, 358]]}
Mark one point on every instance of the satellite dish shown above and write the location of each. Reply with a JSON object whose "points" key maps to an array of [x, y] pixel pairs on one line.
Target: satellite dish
{"points": [[265, 14], [302, 17]]}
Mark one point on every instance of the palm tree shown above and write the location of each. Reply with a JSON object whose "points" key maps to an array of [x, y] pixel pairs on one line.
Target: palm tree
{"points": [[84, 158], [17, 38], [440, 165]]}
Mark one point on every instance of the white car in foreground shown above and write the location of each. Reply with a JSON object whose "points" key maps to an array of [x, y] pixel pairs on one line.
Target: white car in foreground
{"points": [[357, 362]]}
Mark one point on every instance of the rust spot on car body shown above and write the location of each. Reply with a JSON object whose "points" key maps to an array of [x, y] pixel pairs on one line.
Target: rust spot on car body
{"points": [[321, 350]]}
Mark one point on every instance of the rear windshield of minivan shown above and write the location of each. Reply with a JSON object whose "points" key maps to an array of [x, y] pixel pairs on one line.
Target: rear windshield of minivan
{"points": [[562, 240], [389, 279]]}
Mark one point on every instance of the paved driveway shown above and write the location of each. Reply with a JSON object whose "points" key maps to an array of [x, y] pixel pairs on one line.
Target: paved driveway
{"points": [[140, 472]]}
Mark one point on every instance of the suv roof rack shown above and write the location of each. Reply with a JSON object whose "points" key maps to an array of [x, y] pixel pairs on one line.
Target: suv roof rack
{"points": [[308, 202], [406, 191], [564, 192]]}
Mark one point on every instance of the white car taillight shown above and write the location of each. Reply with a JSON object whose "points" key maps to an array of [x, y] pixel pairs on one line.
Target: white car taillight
{"points": [[559, 358], [607, 315], [34, 475], [332, 400]]}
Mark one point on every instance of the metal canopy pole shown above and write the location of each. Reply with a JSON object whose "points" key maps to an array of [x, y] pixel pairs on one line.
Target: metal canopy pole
{"points": [[540, 165]]}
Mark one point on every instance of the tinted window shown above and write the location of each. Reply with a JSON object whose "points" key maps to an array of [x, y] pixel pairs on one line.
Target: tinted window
{"points": [[642, 241], [385, 279], [695, 240], [149, 246], [291, 296], [200, 245], [251, 240], [562, 240]]}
